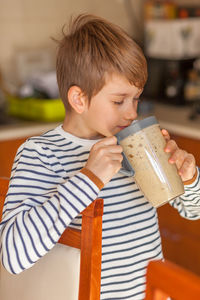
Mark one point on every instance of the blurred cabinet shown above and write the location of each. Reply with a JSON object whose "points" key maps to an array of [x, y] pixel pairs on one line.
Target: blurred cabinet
{"points": [[181, 237], [8, 150]]}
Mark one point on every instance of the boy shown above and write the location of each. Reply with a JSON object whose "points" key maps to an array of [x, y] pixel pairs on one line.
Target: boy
{"points": [[101, 73]]}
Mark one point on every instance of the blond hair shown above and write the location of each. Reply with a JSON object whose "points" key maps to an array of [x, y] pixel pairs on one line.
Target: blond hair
{"points": [[92, 48]]}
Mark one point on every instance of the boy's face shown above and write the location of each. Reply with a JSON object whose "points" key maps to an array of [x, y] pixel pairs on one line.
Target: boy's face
{"points": [[112, 109]]}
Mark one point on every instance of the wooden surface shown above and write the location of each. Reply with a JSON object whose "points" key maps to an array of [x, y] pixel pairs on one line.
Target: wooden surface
{"points": [[181, 237], [3, 190], [165, 279], [88, 240], [90, 281], [71, 237], [7, 154]]}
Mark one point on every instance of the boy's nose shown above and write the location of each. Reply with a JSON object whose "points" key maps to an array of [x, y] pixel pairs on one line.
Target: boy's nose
{"points": [[131, 113]]}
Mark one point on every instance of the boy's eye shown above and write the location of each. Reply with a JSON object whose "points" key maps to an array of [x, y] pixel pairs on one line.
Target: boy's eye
{"points": [[118, 102]]}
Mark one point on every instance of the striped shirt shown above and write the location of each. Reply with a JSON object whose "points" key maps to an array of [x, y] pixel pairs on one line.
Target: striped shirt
{"points": [[47, 192]]}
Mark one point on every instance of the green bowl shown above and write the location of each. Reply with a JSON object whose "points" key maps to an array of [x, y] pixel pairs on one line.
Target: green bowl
{"points": [[48, 110]]}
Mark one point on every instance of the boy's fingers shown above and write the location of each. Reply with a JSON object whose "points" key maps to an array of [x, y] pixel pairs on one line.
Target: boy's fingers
{"points": [[116, 149], [178, 156], [171, 146], [188, 169], [109, 144], [117, 156], [111, 140], [165, 134], [110, 149]]}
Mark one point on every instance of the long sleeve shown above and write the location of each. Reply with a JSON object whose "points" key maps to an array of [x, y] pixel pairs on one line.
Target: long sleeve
{"points": [[44, 196], [188, 205]]}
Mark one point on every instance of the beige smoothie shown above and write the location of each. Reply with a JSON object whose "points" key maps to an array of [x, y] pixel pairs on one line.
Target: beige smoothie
{"points": [[154, 175]]}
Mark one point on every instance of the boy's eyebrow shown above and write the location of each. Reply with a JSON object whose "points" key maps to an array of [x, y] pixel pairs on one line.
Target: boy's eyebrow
{"points": [[125, 94], [119, 94]]}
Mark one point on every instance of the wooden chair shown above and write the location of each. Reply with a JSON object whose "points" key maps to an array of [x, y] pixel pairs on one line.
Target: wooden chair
{"points": [[88, 240], [165, 279]]}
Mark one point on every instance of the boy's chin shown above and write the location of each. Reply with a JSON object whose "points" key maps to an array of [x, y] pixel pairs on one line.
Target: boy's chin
{"points": [[109, 133]]}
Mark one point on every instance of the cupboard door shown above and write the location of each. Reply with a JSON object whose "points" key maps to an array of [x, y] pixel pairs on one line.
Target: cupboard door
{"points": [[181, 237], [7, 154]]}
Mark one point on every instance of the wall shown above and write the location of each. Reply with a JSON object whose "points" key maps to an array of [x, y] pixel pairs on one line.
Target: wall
{"points": [[187, 2], [29, 24]]}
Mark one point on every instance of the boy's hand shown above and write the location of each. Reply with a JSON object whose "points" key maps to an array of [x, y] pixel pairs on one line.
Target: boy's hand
{"points": [[105, 159], [184, 161]]}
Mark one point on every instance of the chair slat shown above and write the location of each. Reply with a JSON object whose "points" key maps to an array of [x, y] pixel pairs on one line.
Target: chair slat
{"points": [[165, 279]]}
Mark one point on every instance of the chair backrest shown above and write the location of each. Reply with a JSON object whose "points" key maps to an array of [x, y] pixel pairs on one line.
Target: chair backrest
{"points": [[88, 240], [165, 279]]}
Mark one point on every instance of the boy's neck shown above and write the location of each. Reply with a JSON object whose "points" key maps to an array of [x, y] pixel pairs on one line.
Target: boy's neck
{"points": [[74, 125]]}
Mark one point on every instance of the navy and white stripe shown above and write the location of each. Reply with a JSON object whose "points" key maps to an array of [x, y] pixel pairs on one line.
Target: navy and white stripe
{"points": [[47, 193]]}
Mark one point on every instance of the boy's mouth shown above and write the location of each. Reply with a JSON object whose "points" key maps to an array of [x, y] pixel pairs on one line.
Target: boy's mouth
{"points": [[123, 127]]}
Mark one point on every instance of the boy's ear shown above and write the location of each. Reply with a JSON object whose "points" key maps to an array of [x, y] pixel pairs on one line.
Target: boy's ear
{"points": [[77, 99]]}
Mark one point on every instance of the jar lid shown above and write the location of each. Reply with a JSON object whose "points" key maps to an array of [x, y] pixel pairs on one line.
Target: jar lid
{"points": [[135, 127]]}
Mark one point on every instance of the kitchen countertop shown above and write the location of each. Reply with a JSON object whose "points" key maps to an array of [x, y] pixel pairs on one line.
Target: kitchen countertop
{"points": [[173, 118], [176, 120], [22, 129]]}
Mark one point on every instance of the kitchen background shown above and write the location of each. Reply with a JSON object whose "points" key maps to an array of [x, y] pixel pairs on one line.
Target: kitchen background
{"points": [[169, 33], [27, 49], [27, 55], [27, 24]]}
